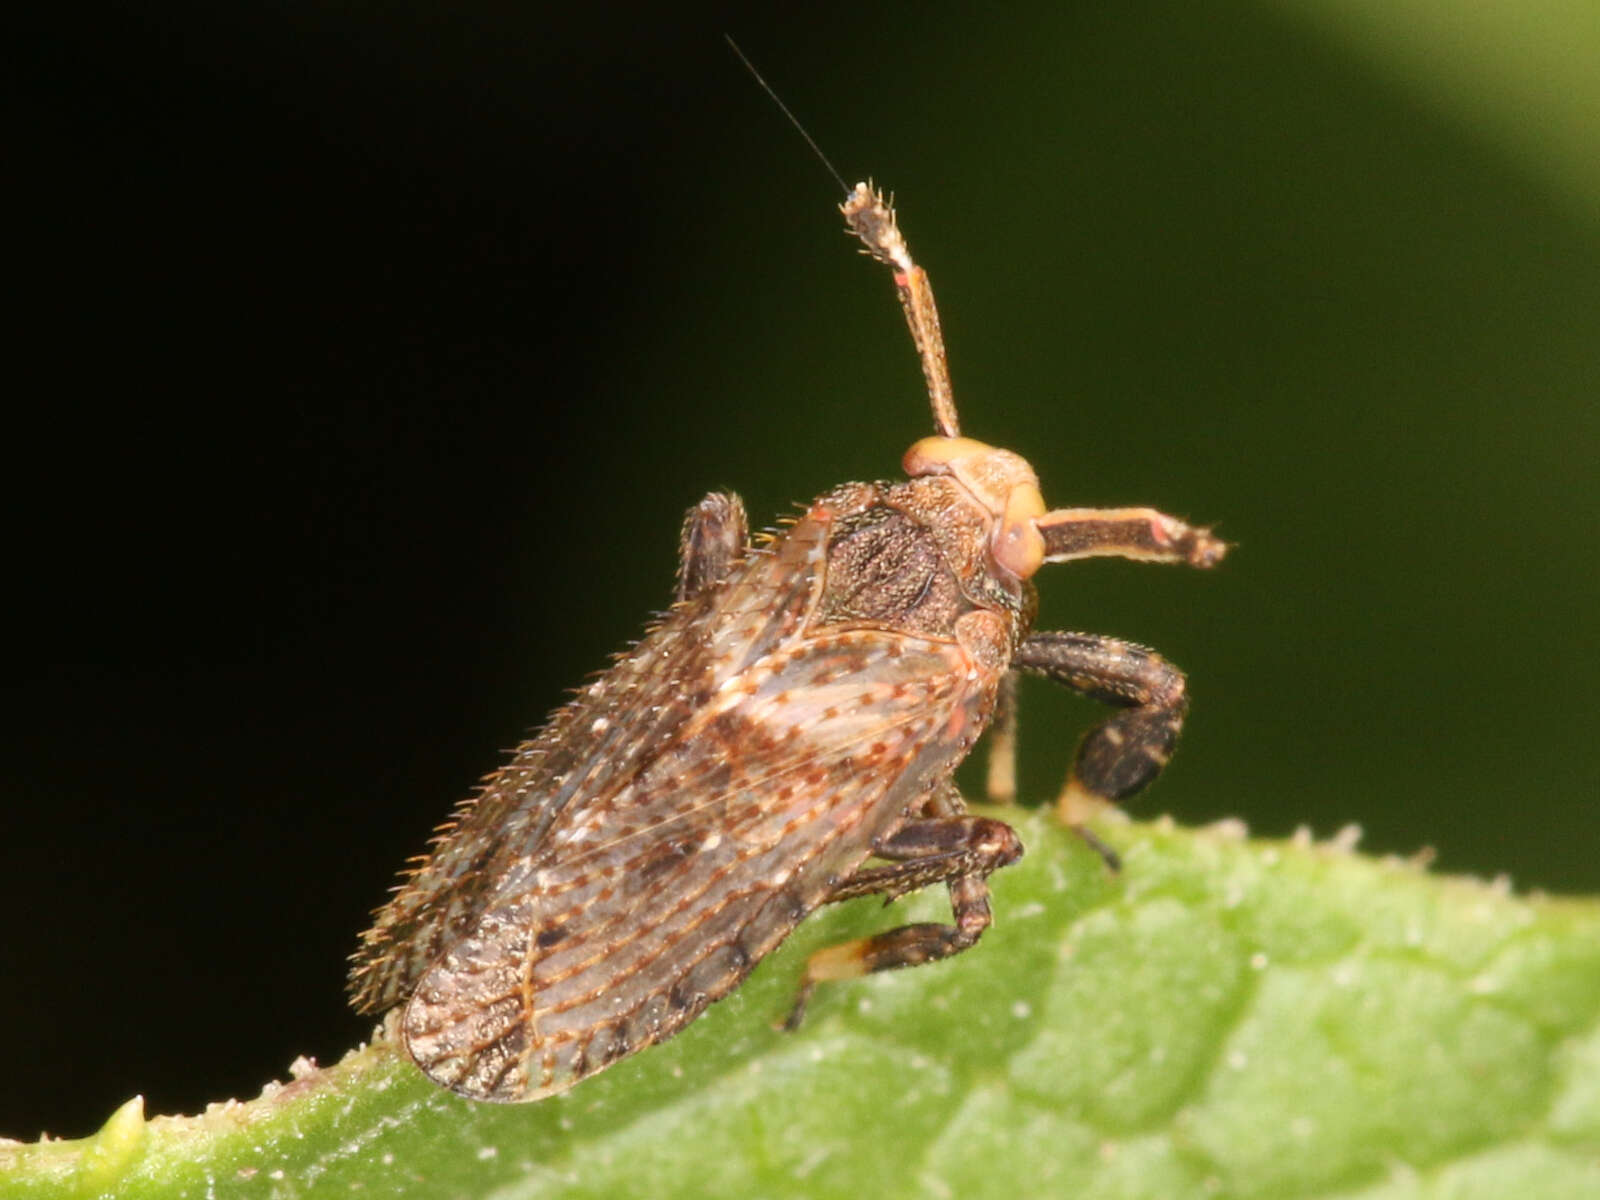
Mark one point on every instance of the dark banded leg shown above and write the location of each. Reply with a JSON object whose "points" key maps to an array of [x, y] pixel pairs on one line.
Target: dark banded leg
{"points": [[1126, 751], [950, 847], [715, 534]]}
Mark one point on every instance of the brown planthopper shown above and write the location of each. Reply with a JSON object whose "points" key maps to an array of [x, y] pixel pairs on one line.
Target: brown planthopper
{"points": [[784, 737]]}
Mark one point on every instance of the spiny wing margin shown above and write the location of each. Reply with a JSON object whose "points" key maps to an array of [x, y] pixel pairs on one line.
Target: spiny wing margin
{"points": [[637, 913], [590, 747]]}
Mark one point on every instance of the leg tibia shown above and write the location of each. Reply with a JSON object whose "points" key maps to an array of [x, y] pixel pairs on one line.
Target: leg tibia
{"points": [[1001, 783]]}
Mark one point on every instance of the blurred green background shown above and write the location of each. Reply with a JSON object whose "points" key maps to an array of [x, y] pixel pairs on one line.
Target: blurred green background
{"points": [[373, 357]]}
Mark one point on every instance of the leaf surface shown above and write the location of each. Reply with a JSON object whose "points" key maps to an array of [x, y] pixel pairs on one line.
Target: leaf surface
{"points": [[1225, 1017]]}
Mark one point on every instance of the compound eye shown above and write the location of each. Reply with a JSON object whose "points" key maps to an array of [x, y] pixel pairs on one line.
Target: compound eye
{"points": [[1018, 546]]}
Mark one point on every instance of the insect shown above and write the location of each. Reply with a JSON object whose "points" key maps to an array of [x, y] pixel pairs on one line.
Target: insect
{"points": [[783, 738]]}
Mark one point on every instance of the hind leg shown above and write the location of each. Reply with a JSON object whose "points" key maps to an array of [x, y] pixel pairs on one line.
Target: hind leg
{"points": [[715, 536]]}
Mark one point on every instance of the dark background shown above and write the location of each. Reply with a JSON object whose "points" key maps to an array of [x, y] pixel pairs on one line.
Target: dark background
{"points": [[371, 358]]}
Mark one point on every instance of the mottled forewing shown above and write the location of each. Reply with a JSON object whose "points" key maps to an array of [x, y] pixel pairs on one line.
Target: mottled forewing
{"points": [[650, 891], [587, 750], [643, 908]]}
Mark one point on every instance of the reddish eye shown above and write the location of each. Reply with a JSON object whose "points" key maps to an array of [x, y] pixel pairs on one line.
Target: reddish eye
{"points": [[1019, 548]]}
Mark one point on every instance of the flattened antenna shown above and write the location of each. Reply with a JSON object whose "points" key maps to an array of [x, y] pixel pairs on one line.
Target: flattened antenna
{"points": [[871, 218]]}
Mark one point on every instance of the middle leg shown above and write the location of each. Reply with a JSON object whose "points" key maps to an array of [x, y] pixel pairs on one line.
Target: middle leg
{"points": [[948, 845]]}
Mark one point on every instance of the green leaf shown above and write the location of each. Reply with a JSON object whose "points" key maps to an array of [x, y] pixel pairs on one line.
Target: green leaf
{"points": [[1224, 1017]]}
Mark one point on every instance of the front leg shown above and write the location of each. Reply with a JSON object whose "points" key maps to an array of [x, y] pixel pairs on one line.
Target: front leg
{"points": [[1122, 754], [1116, 672]]}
